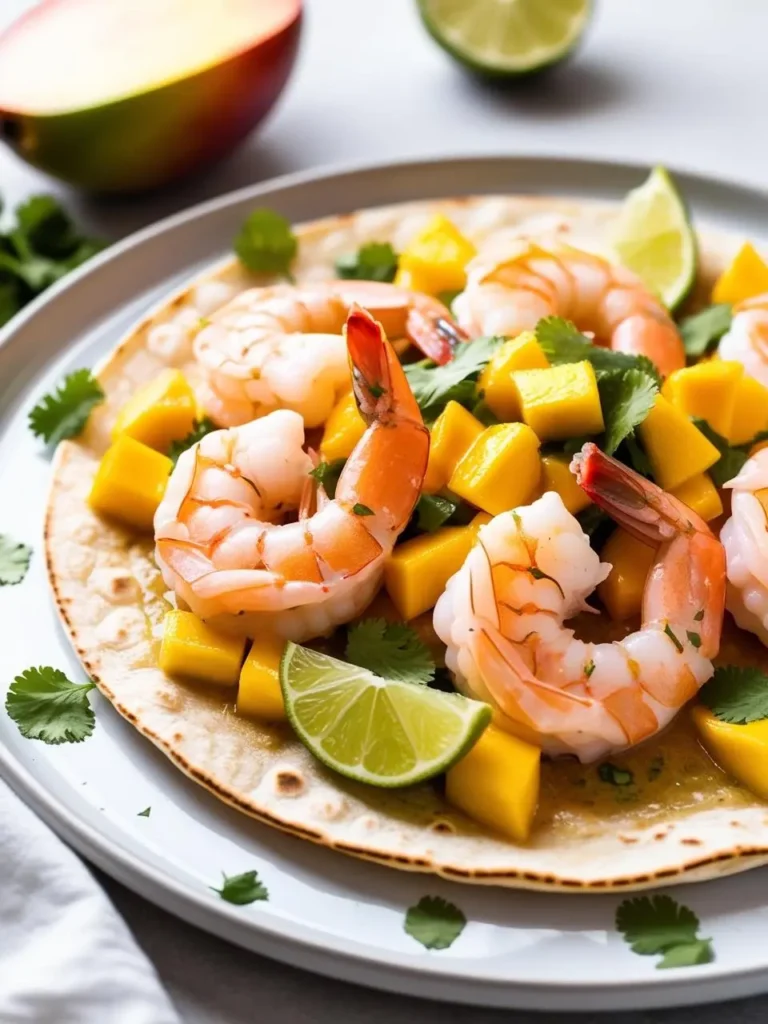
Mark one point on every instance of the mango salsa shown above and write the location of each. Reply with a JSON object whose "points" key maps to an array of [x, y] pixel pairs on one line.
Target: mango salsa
{"points": [[561, 401], [259, 694], [706, 391], [701, 495], [677, 450], [496, 383], [435, 260], [501, 469], [452, 433], [130, 482], [740, 750], [557, 476], [750, 412], [191, 648], [622, 591], [343, 429], [745, 277], [497, 783], [158, 413]]}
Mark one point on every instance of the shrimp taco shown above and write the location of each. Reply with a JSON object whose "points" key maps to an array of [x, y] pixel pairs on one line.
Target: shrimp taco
{"points": [[423, 553]]}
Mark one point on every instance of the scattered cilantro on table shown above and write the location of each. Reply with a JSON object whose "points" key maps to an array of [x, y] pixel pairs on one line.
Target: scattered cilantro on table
{"points": [[199, 429], [702, 331], [242, 889], [656, 925], [736, 695], [14, 561], [266, 243], [64, 413], [47, 706], [434, 386], [434, 922], [376, 261], [390, 649]]}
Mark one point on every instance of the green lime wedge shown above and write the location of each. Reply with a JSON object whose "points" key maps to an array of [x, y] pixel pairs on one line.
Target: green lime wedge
{"points": [[654, 238], [506, 38], [381, 731]]}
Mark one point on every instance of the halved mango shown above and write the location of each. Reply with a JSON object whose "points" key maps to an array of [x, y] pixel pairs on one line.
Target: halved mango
{"points": [[130, 482], [191, 648], [740, 750]]}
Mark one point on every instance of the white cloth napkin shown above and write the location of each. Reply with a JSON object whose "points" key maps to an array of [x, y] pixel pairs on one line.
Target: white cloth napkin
{"points": [[66, 956]]}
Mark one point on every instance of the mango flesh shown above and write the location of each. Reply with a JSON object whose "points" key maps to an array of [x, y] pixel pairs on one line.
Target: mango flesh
{"points": [[740, 750], [185, 81]]}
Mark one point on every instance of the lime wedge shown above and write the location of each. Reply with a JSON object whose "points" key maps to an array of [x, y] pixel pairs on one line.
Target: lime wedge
{"points": [[506, 38], [381, 731], [653, 237]]}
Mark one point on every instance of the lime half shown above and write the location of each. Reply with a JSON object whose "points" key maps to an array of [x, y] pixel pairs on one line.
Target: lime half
{"points": [[506, 38], [654, 238], [380, 731]]}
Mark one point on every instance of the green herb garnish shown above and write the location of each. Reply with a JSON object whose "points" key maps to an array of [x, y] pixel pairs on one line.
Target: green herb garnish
{"points": [[266, 243], [655, 768], [199, 429], [145, 813], [563, 342], [694, 639], [732, 458], [327, 475], [589, 668], [65, 413], [736, 695], [14, 561], [242, 889], [434, 922], [626, 398], [668, 630], [47, 706], [655, 925], [376, 261], [433, 511], [391, 650], [362, 510], [435, 386], [614, 775], [702, 331]]}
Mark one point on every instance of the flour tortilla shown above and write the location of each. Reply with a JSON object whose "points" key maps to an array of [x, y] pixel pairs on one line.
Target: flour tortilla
{"points": [[110, 597]]}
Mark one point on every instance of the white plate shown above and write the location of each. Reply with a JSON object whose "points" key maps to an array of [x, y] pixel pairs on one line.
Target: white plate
{"points": [[326, 912]]}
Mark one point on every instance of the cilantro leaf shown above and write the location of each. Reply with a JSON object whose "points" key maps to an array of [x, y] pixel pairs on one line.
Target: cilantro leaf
{"points": [[65, 413], [47, 706], [435, 386], [626, 398], [360, 509], [562, 342], [434, 922], [736, 695], [14, 561], [327, 475], [11, 300], [47, 227], [731, 458], [376, 261], [658, 924], [199, 429], [434, 511], [703, 330], [242, 889], [390, 649], [266, 243], [145, 813], [614, 775]]}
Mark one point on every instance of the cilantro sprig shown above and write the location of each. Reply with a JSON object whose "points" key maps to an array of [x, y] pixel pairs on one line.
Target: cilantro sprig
{"points": [[199, 429], [702, 331], [626, 398], [563, 342], [65, 413], [390, 649], [14, 561], [434, 922], [47, 706], [736, 695], [376, 261], [434, 386], [242, 889], [656, 925], [266, 243]]}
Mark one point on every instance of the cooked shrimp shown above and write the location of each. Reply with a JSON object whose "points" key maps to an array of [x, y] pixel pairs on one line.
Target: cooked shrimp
{"points": [[282, 347], [228, 539], [510, 295], [747, 339], [531, 569], [745, 539]]}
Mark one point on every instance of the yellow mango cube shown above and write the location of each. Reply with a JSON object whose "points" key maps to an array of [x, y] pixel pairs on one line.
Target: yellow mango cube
{"points": [[191, 648], [557, 476], [750, 412], [160, 412], [437, 257], [343, 429], [622, 591], [701, 495], [130, 482], [745, 277], [561, 401], [452, 433], [496, 383], [706, 391], [500, 470], [259, 694], [677, 450], [497, 783], [740, 750]]}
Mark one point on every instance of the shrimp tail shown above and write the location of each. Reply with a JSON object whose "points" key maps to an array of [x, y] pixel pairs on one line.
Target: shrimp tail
{"points": [[380, 386], [436, 336]]}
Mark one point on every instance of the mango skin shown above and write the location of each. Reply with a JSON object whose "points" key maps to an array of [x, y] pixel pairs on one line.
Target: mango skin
{"points": [[154, 137]]}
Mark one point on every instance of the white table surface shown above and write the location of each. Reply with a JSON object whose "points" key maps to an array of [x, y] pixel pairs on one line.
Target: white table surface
{"points": [[680, 82]]}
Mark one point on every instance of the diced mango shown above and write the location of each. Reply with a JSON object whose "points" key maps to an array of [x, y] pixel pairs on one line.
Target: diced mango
{"points": [[192, 648], [750, 413], [557, 476], [259, 693], [496, 383], [497, 783], [452, 433], [706, 391], [500, 470], [700, 494], [561, 401], [740, 750], [416, 572], [130, 482], [158, 413], [622, 591], [745, 277], [677, 450], [437, 257], [343, 429]]}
